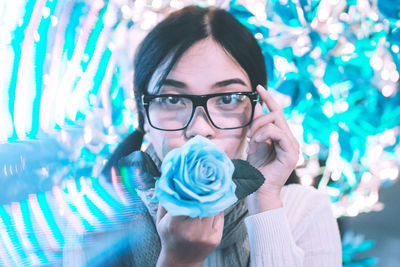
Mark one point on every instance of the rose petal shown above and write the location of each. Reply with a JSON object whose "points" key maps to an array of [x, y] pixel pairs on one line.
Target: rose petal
{"points": [[196, 180], [178, 207], [184, 192], [162, 185], [187, 194]]}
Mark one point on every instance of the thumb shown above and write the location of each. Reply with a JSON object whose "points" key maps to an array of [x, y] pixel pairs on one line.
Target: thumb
{"points": [[218, 221], [160, 212], [252, 147]]}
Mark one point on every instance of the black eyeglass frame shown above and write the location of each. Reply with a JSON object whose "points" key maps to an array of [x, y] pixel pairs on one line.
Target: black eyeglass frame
{"points": [[200, 100]]}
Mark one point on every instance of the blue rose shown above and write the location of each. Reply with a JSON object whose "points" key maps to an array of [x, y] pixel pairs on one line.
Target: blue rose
{"points": [[196, 180]]}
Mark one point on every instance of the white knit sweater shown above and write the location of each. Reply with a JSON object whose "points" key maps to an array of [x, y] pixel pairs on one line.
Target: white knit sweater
{"points": [[302, 233]]}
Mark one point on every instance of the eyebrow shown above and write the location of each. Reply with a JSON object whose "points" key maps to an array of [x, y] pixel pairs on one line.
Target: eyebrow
{"points": [[178, 84]]}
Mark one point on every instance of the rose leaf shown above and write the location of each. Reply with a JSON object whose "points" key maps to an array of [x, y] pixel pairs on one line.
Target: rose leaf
{"points": [[246, 177]]}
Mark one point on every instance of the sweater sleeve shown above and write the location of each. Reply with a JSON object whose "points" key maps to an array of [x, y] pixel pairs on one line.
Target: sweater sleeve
{"points": [[302, 233]]}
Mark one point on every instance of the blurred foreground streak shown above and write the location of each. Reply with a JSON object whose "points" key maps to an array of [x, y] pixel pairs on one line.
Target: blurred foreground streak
{"points": [[35, 231]]}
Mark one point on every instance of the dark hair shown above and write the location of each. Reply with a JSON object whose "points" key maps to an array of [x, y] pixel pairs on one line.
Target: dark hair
{"points": [[175, 35]]}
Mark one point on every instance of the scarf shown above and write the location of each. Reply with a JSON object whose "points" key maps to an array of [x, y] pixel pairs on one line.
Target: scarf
{"points": [[142, 244]]}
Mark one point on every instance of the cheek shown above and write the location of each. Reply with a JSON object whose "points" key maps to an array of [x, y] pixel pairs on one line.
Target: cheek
{"points": [[232, 142], [164, 141], [232, 148]]}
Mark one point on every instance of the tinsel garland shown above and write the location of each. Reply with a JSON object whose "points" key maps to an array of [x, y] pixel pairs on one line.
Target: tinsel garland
{"points": [[66, 88]]}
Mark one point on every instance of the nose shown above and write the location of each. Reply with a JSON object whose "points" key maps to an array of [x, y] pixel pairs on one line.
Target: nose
{"points": [[200, 125]]}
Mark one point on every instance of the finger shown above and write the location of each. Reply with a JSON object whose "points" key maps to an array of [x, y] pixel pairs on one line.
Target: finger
{"points": [[218, 221], [271, 131], [272, 117], [276, 114], [208, 222], [267, 98], [218, 226], [258, 111], [285, 150], [275, 118], [160, 212], [273, 106]]}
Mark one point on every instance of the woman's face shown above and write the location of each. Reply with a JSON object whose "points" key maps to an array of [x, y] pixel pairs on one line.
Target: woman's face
{"points": [[200, 71]]}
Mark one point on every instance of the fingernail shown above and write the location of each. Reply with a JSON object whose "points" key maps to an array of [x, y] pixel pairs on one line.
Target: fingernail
{"points": [[260, 87]]}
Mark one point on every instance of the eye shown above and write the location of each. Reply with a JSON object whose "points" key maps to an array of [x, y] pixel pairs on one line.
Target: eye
{"points": [[169, 102], [230, 99], [173, 100]]}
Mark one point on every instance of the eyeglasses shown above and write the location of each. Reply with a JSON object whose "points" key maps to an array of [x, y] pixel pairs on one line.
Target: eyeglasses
{"points": [[173, 112]]}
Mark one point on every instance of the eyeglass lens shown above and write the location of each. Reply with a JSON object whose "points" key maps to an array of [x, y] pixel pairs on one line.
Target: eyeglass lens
{"points": [[225, 111]]}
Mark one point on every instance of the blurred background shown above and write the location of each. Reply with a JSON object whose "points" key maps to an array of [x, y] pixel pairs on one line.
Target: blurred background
{"points": [[66, 101]]}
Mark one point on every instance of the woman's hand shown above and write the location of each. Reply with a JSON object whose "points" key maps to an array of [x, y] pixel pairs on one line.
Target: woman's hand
{"points": [[187, 241], [273, 150]]}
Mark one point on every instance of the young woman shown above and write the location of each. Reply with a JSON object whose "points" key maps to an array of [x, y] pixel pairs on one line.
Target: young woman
{"points": [[207, 54]]}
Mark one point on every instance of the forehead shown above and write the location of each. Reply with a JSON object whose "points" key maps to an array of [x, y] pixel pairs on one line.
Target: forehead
{"points": [[201, 67]]}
